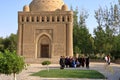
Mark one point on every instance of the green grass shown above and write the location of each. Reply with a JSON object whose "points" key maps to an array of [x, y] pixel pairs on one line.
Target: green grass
{"points": [[69, 73]]}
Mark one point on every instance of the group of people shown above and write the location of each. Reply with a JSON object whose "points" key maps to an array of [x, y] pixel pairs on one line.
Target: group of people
{"points": [[78, 62], [73, 62]]}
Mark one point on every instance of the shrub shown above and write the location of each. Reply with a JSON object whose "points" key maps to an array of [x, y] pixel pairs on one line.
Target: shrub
{"points": [[46, 63]]}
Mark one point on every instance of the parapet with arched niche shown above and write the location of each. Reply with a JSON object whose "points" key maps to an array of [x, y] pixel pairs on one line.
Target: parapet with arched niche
{"points": [[47, 17]]}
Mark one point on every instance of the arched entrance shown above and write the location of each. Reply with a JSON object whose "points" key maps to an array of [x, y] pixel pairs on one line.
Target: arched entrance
{"points": [[44, 47]]}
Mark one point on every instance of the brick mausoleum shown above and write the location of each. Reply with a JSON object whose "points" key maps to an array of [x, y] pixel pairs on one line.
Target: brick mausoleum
{"points": [[45, 31]]}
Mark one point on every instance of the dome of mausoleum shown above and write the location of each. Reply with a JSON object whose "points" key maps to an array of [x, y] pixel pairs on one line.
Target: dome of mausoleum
{"points": [[45, 5]]}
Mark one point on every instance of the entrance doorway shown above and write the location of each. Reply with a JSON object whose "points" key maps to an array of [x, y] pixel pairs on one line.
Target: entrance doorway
{"points": [[44, 50]]}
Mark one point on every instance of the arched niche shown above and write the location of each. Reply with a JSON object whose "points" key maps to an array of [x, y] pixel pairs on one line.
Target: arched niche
{"points": [[44, 46]]}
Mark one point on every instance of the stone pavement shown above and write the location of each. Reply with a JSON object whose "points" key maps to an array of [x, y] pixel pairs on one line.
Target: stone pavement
{"points": [[113, 73]]}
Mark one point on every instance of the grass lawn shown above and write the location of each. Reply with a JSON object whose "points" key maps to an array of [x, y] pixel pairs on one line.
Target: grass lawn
{"points": [[69, 73]]}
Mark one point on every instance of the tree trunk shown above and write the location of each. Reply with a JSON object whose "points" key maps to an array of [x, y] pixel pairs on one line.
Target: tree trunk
{"points": [[14, 75], [48, 68]]}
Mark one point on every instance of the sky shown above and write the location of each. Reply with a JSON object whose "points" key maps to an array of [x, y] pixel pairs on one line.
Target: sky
{"points": [[9, 12]]}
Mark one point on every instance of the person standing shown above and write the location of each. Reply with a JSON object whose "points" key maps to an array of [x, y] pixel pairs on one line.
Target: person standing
{"points": [[107, 59], [67, 62], [62, 62], [83, 61], [87, 62]]}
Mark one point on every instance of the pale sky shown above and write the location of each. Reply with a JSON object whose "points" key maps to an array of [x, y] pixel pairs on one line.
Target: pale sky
{"points": [[9, 12]]}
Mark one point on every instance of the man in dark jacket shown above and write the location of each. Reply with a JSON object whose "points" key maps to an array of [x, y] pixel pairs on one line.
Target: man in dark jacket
{"points": [[62, 62], [87, 62]]}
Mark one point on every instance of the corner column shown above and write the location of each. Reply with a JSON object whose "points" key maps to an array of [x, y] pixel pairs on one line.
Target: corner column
{"points": [[19, 48], [69, 39]]}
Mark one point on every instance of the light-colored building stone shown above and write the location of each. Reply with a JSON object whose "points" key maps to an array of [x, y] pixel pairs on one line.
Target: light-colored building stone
{"points": [[45, 29]]}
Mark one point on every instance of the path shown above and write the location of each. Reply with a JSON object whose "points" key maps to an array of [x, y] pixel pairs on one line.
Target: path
{"points": [[25, 74]]}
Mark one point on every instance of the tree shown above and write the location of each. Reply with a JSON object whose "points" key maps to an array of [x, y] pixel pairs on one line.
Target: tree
{"points": [[82, 39], [75, 30], [9, 43], [13, 42], [1, 45], [109, 39], [112, 29], [115, 53], [108, 30], [10, 63], [99, 32], [99, 39], [85, 38], [46, 63], [105, 31]]}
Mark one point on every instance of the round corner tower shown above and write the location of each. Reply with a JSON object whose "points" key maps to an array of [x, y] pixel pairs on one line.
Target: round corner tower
{"points": [[45, 31]]}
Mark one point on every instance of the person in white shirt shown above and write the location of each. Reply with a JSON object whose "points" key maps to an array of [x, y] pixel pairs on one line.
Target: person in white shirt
{"points": [[107, 59]]}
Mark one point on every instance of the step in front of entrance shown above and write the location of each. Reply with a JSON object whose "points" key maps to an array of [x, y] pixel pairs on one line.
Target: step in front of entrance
{"points": [[40, 60]]}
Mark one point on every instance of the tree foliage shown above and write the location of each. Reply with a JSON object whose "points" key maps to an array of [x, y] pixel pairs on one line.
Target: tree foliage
{"points": [[107, 32], [9, 43], [46, 63], [82, 39], [10, 63]]}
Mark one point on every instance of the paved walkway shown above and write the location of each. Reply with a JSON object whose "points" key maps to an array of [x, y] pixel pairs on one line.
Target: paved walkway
{"points": [[113, 73]]}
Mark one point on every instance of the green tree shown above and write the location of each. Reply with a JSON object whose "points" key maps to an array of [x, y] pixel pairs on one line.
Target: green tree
{"points": [[6, 43], [85, 38], [11, 63], [109, 39], [13, 42], [75, 30], [99, 39], [115, 53], [1, 45], [105, 31], [81, 37], [9, 43]]}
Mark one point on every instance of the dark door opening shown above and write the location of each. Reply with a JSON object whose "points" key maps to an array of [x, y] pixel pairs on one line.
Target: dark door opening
{"points": [[44, 51]]}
